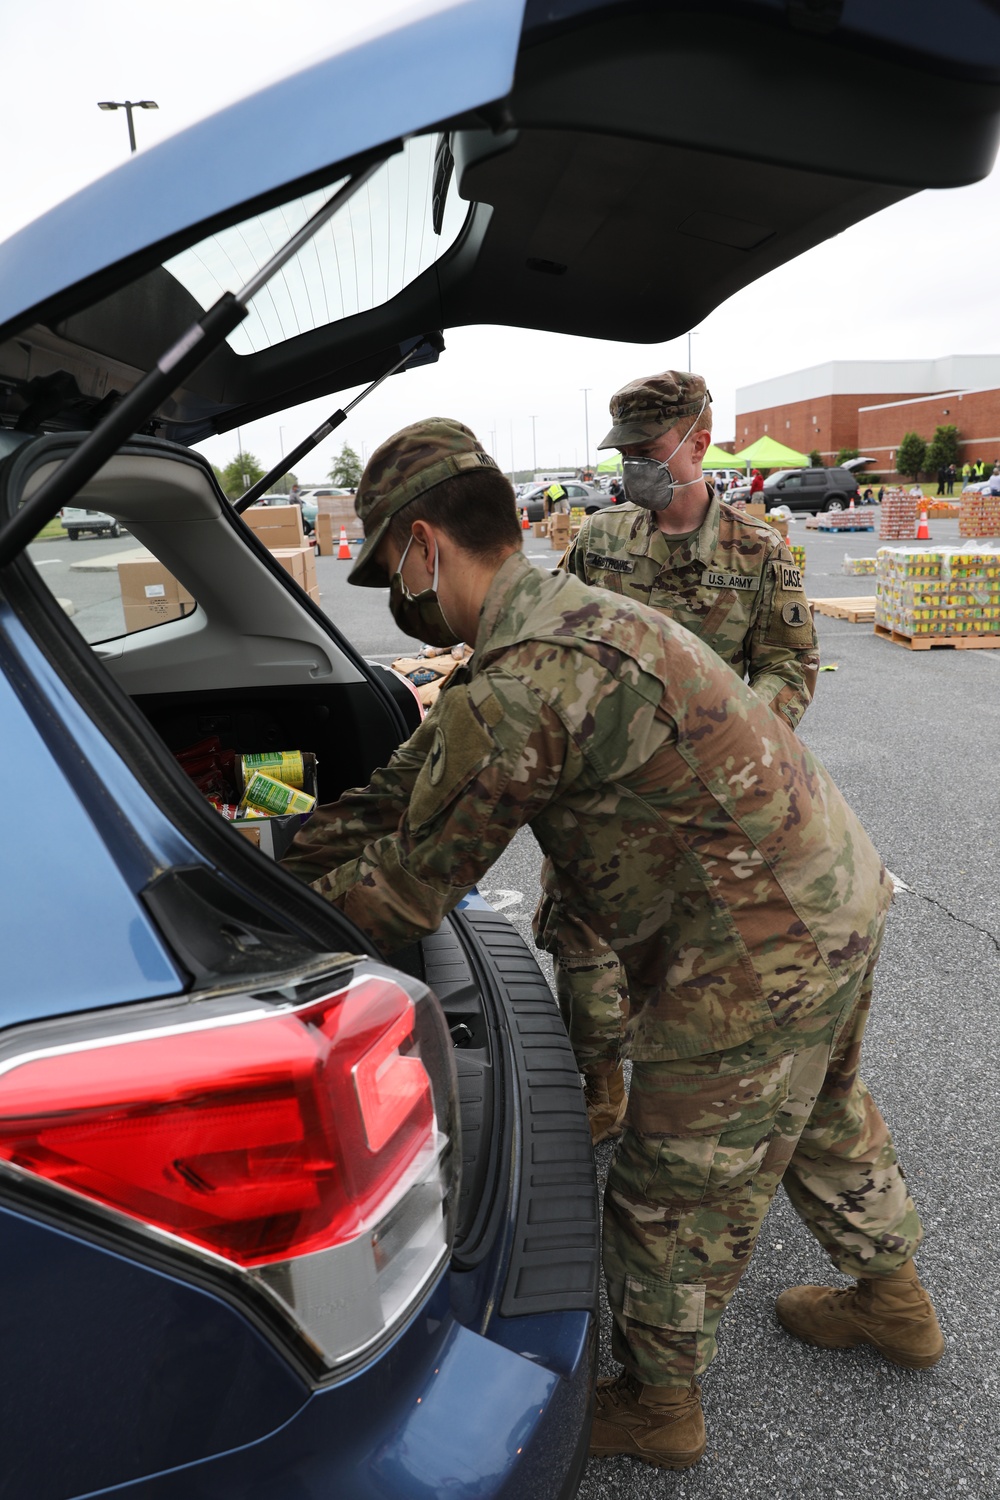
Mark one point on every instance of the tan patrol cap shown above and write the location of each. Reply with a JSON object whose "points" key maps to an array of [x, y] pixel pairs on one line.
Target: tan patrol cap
{"points": [[406, 465], [653, 404]]}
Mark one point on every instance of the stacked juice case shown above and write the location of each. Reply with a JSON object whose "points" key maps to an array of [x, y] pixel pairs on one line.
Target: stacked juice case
{"points": [[945, 592]]}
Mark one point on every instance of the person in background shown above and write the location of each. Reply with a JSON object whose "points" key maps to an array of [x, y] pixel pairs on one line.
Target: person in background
{"points": [[553, 497], [722, 574], [756, 485]]}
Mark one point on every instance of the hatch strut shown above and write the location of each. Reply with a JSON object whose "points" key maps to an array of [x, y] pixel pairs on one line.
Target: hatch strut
{"points": [[432, 340], [185, 356]]}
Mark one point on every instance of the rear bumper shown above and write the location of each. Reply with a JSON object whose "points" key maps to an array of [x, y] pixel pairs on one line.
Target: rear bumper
{"points": [[445, 1412]]}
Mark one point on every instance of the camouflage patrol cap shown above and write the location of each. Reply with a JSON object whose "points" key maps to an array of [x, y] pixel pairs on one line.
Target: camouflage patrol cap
{"points": [[645, 408], [407, 465]]}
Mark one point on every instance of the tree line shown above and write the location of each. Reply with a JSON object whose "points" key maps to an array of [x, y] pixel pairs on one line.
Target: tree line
{"points": [[245, 470]]}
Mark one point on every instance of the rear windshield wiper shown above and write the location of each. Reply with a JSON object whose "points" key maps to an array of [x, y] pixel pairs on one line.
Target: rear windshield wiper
{"points": [[186, 355], [411, 348]]}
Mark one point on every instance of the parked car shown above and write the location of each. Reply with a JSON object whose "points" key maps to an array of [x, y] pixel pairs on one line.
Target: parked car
{"points": [[812, 489], [78, 521], [278, 1216], [589, 497]]}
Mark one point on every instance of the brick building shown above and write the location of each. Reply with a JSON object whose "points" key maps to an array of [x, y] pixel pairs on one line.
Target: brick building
{"points": [[976, 414], [870, 404]]}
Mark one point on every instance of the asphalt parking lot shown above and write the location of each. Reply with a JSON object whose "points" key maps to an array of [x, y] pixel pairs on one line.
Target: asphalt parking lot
{"points": [[911, 739]]}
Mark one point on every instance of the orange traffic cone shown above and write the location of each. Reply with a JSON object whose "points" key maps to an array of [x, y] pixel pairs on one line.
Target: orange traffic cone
{"points": [[525, 523], [851, 506], [344, 550], [923, 530]]}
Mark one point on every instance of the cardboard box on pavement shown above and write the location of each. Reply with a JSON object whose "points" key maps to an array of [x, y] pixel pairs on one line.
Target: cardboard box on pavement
{"points": [[325, 535]]}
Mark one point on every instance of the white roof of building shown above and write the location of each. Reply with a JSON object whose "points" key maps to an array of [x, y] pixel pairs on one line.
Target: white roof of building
{"points": [[872, 377]]}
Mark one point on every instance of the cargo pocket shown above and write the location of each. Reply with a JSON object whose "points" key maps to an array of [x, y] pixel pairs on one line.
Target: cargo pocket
{"points": [[704, 1136], [680, 1307]]}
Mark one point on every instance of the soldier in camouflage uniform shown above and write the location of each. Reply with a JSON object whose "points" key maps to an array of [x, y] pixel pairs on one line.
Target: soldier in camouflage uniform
{"points": [[710, 851], [726, 576]]}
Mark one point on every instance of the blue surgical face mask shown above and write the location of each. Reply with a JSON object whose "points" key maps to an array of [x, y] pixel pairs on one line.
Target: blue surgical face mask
{"points": [[649, 481]]}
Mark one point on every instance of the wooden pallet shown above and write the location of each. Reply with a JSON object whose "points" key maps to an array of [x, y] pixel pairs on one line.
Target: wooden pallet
{"points": [[860, 611], [927, 642]]}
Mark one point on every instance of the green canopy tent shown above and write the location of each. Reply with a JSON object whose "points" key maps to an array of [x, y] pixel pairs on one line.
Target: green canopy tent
{"points": [[718, 458], [612, 465], [766, 453]]}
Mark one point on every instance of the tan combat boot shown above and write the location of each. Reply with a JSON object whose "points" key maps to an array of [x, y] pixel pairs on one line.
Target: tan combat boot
{"points": [[606, 1103], [892, 1313], [661, 1424]]}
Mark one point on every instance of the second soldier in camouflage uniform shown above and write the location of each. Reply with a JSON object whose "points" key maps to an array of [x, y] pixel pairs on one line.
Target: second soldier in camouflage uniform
{"points": [[724, 575], [689, 828]]}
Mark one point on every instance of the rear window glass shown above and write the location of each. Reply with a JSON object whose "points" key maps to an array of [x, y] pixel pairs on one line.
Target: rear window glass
{"points": [[107, 584], [376, 244]]}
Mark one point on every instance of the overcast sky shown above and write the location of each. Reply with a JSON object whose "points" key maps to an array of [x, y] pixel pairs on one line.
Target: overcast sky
{"points": [[917, 281]]}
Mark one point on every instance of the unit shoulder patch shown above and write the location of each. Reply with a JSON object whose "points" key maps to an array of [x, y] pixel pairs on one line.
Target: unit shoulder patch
{"points": [[789, 577], [794, 613]]}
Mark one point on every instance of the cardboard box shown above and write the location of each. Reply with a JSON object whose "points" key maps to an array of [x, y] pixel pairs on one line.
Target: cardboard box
{"points": [[151, 595], [299, 562], [309, 572], [760, 511], [276, 525], [326, 539]]}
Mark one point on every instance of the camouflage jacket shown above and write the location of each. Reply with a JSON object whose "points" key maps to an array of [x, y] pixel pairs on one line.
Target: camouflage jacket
{"points": [[733, 583], [682, 819]]}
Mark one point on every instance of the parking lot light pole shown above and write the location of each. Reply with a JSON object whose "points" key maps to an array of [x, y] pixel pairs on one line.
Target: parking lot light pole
{"points": [[534, 450], [586, 389], [128, 105], [692, 334]]}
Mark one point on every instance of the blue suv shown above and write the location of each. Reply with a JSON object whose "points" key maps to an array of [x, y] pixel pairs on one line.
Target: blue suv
{"points": [[282, 1216]]}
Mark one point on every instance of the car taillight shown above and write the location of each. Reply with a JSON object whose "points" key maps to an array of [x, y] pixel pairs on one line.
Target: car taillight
{"points": [[308, 1147]]}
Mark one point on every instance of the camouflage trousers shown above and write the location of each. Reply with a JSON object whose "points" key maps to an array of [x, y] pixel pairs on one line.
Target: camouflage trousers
{"points": [[590, 985], [706, 1143]]}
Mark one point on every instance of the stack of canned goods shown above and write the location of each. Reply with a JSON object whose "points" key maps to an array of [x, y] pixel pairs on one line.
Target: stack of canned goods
{"points": [[272, 783]]}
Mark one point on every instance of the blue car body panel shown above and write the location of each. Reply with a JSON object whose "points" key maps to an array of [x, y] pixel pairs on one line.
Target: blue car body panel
{"points": [[348, 103], [163, 1389]]}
